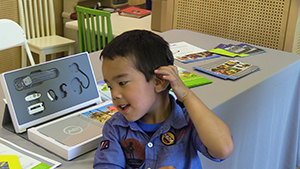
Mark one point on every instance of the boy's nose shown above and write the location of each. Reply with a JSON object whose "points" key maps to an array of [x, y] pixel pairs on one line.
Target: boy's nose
{"points": [[115, 94]]}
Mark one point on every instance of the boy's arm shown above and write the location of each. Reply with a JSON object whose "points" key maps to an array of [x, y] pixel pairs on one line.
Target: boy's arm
{"points": [[213, 132], [109, 154]]}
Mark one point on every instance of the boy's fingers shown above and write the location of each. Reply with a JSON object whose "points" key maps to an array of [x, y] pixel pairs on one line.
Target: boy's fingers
{"points": [[166, 70]]}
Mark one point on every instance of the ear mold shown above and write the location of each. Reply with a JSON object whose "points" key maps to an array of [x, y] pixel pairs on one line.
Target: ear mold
{"points": [[80, 81]]}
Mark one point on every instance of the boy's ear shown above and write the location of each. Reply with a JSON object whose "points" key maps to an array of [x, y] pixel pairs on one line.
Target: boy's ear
{"points": [[160, 84]]}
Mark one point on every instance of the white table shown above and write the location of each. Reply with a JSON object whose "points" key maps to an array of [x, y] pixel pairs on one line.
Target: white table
{"points": [[262, 109], [120, 24]]}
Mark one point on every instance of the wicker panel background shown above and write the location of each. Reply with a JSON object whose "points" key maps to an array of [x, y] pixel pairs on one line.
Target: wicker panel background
{"points": [[296, 46], [259, 22], [11, 58], [8, 59]]}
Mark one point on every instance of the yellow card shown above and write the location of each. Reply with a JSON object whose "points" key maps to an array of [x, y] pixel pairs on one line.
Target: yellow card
{"points": [[10, 161]]}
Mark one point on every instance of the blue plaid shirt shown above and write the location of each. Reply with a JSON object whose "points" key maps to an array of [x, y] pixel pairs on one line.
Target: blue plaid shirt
{"points": [[125, 145]]}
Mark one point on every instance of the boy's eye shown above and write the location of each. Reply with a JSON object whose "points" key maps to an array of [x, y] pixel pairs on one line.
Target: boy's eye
{"points": [[123, 83]]}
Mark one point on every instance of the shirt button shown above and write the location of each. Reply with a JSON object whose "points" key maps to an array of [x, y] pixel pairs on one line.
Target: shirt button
{"points": [[150, 144]]}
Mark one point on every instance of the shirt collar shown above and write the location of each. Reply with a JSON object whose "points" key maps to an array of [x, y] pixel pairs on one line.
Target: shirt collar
{"points": [[177, 117]]}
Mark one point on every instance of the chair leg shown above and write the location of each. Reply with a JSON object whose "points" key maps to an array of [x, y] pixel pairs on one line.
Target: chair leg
{"points": [[71, 50], [42, 56], [23, 57]]}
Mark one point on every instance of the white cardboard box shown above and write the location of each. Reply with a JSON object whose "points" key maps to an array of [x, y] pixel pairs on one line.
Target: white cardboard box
{"points": [[66, 152], [73, 75]]}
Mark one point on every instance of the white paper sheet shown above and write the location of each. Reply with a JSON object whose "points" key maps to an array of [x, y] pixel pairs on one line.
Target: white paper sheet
{"points": [[27, 159]]}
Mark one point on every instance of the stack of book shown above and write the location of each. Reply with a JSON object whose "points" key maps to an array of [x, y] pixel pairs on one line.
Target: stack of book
{"points": [[227, 69], [240, 50], [135, 12], [186, 53]]}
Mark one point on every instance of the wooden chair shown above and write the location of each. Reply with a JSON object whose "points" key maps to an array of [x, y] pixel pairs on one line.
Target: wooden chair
{"points": [[13, 35], [38, 21], [91, 36]]}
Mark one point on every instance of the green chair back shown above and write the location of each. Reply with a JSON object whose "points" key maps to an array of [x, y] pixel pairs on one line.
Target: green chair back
{"points": [[91, 37]]}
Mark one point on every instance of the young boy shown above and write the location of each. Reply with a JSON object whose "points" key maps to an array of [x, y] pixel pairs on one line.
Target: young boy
{"points": [[152, 130]]}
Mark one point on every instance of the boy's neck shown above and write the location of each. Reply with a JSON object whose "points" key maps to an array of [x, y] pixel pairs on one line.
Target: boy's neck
{"points": [[164, 106]]}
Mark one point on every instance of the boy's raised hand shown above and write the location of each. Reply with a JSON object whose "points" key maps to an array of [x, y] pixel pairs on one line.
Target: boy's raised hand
{"points": [[170, 73], [213, 132]]}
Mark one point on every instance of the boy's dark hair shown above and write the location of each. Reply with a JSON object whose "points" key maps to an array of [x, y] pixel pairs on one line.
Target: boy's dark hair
{"points": [[147, 50]]}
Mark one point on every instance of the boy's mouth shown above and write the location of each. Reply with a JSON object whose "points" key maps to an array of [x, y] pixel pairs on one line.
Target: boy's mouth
{"points": [[124, 106]]}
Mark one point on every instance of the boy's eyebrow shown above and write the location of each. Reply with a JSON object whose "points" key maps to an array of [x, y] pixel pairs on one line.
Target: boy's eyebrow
{"points": [[117, 77]]}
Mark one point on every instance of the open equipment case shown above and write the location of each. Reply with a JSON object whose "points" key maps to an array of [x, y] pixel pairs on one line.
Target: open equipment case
{"points": [[49, 98]]}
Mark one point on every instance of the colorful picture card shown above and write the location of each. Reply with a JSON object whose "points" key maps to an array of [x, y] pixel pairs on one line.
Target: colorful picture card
{"points": [[185, 52]]}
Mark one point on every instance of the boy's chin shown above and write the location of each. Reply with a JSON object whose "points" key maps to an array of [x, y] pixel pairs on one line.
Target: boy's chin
{"points": [[131, 119]]}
